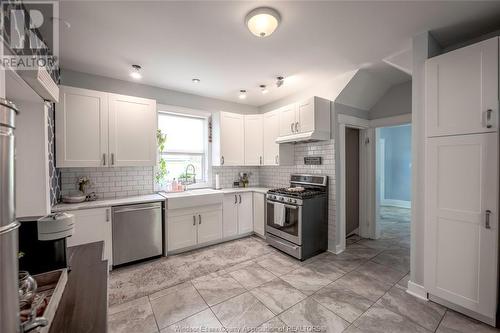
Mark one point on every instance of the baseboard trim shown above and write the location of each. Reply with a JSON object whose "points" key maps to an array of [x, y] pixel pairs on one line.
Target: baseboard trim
{"points": [[417, 291], [395, 203]]}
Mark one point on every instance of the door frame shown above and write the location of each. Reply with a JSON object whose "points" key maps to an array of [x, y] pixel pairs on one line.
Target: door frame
{"points": [[346, 121], [367, 174]]}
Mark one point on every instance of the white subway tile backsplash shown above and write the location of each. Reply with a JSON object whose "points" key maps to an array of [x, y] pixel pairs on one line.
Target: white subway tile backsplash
{"points": [[110, 182]]}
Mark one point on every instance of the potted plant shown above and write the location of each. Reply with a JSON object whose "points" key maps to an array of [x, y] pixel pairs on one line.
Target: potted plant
{"points": [[161, 169]]}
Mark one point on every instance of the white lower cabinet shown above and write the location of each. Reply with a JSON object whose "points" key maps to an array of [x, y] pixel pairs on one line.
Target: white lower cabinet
{"points": [[237, 214], [93, 225], [190, 227], [182, 231], [259, 213]]}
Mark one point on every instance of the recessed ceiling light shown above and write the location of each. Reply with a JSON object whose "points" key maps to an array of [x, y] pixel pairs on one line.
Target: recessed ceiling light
{"points": [[279, 81], [262, 21], [195, 80], [135, 73], [263, 89], [243, 94]]}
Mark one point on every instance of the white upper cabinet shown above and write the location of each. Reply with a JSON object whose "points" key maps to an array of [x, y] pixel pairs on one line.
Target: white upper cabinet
{"points": [[81, 128], [274, 153], [95, 129], [228, 147], [288, 119], [254, 136], [462, 90], [132, 131], [305, 121]]}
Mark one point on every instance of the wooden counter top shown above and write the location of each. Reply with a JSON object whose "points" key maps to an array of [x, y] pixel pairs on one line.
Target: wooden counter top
{"points": [[84, 304]]}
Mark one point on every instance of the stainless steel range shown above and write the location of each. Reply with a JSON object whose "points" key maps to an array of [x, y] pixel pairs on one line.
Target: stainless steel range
{"points": [[297, 216]]}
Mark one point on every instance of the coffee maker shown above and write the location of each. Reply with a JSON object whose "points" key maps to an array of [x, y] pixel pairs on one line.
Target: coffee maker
{"points": [[42, 243]]}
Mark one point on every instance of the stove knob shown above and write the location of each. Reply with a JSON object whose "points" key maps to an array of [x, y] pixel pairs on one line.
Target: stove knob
{"points": [[294, 200], [282, 199]]}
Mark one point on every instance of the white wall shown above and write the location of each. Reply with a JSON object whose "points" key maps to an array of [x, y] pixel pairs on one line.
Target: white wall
{"points": [[162, 96], [395, 102]]}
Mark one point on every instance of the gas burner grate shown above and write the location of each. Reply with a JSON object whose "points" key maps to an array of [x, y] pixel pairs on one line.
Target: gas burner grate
{"points": [[306, 193]]}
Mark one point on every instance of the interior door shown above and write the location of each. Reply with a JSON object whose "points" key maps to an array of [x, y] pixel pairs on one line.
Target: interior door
{"points": [[287, 115], [81, 128], [209, 226], [462, 90], [132, 131], [306, 116], [461, 240], [254, 137], [230, 215], [352, 179], [232, 139], [245, 212], [181, 231], [271, 133]]}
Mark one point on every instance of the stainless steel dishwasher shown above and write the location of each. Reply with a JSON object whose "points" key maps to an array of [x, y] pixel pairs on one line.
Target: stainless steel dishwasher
{"points": [[137, 232]]}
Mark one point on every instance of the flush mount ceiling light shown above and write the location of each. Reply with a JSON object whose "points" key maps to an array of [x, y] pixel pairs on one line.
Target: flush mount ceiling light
{"points": [[279, 81], [135, 73], [263, 89], [195, 80], [262, 21], [243, 94]]}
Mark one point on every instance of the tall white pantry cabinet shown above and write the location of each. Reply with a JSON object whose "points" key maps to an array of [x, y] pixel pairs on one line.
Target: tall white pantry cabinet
{"points": [[462, 179]]}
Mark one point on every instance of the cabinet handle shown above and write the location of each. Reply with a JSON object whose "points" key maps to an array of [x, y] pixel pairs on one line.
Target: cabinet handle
{"points": [[276, 160], [291, 127], [488, 118], [240, 197], [104, 159], [296, 126], [222, 160], [487, 219], [235, 199], [194, 220], [112, 159], [108, 215], [199, 217], [260, 160]]}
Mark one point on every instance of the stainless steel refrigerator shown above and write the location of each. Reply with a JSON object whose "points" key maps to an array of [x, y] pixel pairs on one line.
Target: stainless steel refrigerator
{"points": [[9, 297]]}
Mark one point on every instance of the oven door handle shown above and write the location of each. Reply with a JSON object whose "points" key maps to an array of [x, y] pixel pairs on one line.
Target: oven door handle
{"points": [[291, 207]]}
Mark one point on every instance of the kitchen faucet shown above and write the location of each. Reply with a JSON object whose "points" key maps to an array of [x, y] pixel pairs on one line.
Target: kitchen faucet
{"points": [[194, 173]]}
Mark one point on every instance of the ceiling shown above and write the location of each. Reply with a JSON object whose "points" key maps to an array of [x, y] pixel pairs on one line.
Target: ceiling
{"points": [[177, 41]]}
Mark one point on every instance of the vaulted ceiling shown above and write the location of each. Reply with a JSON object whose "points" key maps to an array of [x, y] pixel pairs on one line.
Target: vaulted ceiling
{"points": [[177, 41]]}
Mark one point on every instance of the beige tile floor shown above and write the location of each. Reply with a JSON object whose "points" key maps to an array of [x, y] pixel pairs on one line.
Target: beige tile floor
{"points": [[246, 285]]}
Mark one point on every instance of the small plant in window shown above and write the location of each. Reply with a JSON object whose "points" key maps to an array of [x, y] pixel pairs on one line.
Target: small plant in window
{"points": [[161, 171]]}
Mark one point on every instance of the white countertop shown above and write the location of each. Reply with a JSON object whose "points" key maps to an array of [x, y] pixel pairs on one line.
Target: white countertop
{"points": [[108, 202], [171, 195]]}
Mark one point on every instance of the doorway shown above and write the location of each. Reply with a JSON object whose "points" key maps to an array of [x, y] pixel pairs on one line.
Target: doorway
{"points": [[352, 181], [393, 184]]}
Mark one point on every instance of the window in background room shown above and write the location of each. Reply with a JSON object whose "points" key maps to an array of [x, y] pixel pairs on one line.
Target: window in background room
{"points": [[186, 145]]}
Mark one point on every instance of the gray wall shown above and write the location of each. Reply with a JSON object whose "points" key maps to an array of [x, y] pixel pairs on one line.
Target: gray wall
{"points": [[351, 111], [395, 102], [162, 96], [397, 162]]}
